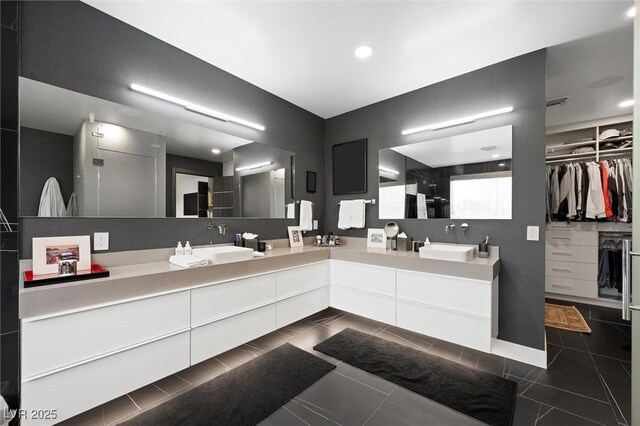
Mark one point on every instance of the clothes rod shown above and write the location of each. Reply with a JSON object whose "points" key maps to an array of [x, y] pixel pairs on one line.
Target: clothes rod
{"points": [[627, 151], [372, 201]]}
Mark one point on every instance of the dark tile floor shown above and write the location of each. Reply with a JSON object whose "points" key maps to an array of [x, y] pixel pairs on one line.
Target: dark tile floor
{"points": [[587, 382]]}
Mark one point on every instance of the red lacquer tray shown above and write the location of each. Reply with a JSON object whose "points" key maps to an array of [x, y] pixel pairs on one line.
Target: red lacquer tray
{"points": [[96, 271]]}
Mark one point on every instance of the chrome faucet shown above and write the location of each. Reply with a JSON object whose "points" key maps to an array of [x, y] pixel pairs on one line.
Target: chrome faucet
{"points": [[222, 230], [450, 226], [464, 227]]}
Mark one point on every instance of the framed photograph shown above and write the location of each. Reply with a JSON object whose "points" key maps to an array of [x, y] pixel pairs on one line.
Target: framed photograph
{"points": [[295, 236], [311, 181], [350, 167], [48, 252], [376, 238]]}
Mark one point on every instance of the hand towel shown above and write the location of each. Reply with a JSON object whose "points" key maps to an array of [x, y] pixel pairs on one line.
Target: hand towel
{"points": [[422, 206], [306, 215], [51, 201], [344, 214], [291, 211], [358, 218], [188, 261]]}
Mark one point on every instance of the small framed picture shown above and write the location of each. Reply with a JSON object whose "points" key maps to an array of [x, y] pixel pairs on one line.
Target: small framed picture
{"points": [[48, 252], [376, 238], [311, 181], [295, 236]]}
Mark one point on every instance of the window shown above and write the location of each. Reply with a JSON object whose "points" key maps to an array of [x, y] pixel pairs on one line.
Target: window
{"points": [[481, 196]]}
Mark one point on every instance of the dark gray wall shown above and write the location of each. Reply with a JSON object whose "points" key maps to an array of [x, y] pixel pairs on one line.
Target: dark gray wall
{"points": [[193, 165], [43, 155], [519, 82], [9, 321], [256, 202], [74, 46]]}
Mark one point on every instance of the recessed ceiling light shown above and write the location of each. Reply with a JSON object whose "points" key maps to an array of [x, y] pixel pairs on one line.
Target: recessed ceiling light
{"points": [[631, 12], [215, 151], [501, 164], [495, 156], [363, 52], [626, 103]]}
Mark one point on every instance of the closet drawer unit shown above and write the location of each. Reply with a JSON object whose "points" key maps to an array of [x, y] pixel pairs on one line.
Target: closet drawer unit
{"points": [[297, 307], [467, 330], [364, 277], [77, 389], [299, 280], [370, 305], [54, 342], [572, 287], [571, 237], [219, 301], [212, 339], [573, 270], [581, 254]]}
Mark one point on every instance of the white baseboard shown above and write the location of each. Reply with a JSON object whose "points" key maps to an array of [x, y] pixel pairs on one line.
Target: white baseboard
{"points": [[520, 353]]}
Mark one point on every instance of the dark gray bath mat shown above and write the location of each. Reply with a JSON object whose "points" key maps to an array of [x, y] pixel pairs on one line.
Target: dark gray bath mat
{"points": [[481, 395], [243, 396]]}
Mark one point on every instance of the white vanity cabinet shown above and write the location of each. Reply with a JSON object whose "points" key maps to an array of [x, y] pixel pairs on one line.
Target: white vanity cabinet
{"points": [[366, 290], [301, 291], [109, 350], [455, 309]]}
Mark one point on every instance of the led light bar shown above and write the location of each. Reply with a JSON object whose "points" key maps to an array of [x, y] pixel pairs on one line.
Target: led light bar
{"points": [[190, 106], [254, 166], [458, 121]]}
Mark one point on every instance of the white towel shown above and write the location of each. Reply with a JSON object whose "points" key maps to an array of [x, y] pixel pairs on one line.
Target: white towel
{"points": [[291, 211], [358, 214], [188, 261], [344, 215], [72, 207], [51, 201], [306, 215], [422, 206]]}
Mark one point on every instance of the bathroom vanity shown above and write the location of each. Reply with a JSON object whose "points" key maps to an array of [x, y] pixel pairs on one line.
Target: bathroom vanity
{"points": [[151, 319]]}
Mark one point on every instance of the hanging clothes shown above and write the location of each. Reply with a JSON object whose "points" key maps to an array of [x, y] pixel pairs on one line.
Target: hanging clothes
{"points": [[51, 201], [605, 189]]}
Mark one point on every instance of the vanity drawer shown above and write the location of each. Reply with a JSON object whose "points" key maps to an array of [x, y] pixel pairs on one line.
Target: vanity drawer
{"points": [[219, 301], [581, 254], [465, 295], [54, 342], [297, 307], [80, 388], [572, 287], [467, 330], [212, 339], [573, 270], [571, 237], [298, 280], [364, 277], [370, 305]]}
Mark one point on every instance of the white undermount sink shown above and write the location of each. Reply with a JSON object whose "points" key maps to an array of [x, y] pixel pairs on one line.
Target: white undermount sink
{"points": [[223, 254], [457, 253]]}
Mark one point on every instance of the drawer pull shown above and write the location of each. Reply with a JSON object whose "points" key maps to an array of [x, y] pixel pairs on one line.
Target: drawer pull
{"points": [[560, 270], [561, 253], [562, 286], [562, 238]]}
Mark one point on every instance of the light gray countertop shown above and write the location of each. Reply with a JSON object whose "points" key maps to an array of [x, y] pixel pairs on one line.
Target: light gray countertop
{"points": [[144, 273]]}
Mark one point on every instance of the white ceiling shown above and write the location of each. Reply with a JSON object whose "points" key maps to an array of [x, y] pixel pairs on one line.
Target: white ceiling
{"points": [[596, 73], [53, 109], [302, 51], [467, 148]]}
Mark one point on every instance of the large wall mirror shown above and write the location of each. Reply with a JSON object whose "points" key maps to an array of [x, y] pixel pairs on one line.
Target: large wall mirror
{"points": [[111, 160], [465, 176]]}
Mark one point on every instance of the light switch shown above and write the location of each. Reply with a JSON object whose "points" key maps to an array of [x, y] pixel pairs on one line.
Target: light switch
{"points": [[315, 224], [100, 241], [533, 233]]}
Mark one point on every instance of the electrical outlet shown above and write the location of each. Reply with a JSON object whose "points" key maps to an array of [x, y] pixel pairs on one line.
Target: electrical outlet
{"points": [[533, 233], [315, 224], [100, 241]]}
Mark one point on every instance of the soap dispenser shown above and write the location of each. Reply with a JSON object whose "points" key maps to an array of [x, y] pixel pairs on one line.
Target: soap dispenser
{"points": [[187, 248], [179, 249]]}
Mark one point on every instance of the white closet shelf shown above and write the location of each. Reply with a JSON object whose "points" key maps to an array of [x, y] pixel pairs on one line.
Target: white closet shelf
{"points": [[584, 155], [560, 147]]}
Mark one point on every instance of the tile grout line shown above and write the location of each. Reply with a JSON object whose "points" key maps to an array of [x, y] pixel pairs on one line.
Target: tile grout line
{"points": [[380, 405], [563, 390], [300, 418], [540, 417], [564, 411], [587, 352], [608, 392]]}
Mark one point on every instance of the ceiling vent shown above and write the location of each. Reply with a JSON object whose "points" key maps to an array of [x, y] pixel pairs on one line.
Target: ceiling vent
{"points": [[557, 101]]}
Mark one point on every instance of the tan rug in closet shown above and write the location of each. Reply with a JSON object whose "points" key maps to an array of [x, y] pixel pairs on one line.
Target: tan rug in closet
{"points": [[565, 317]]}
